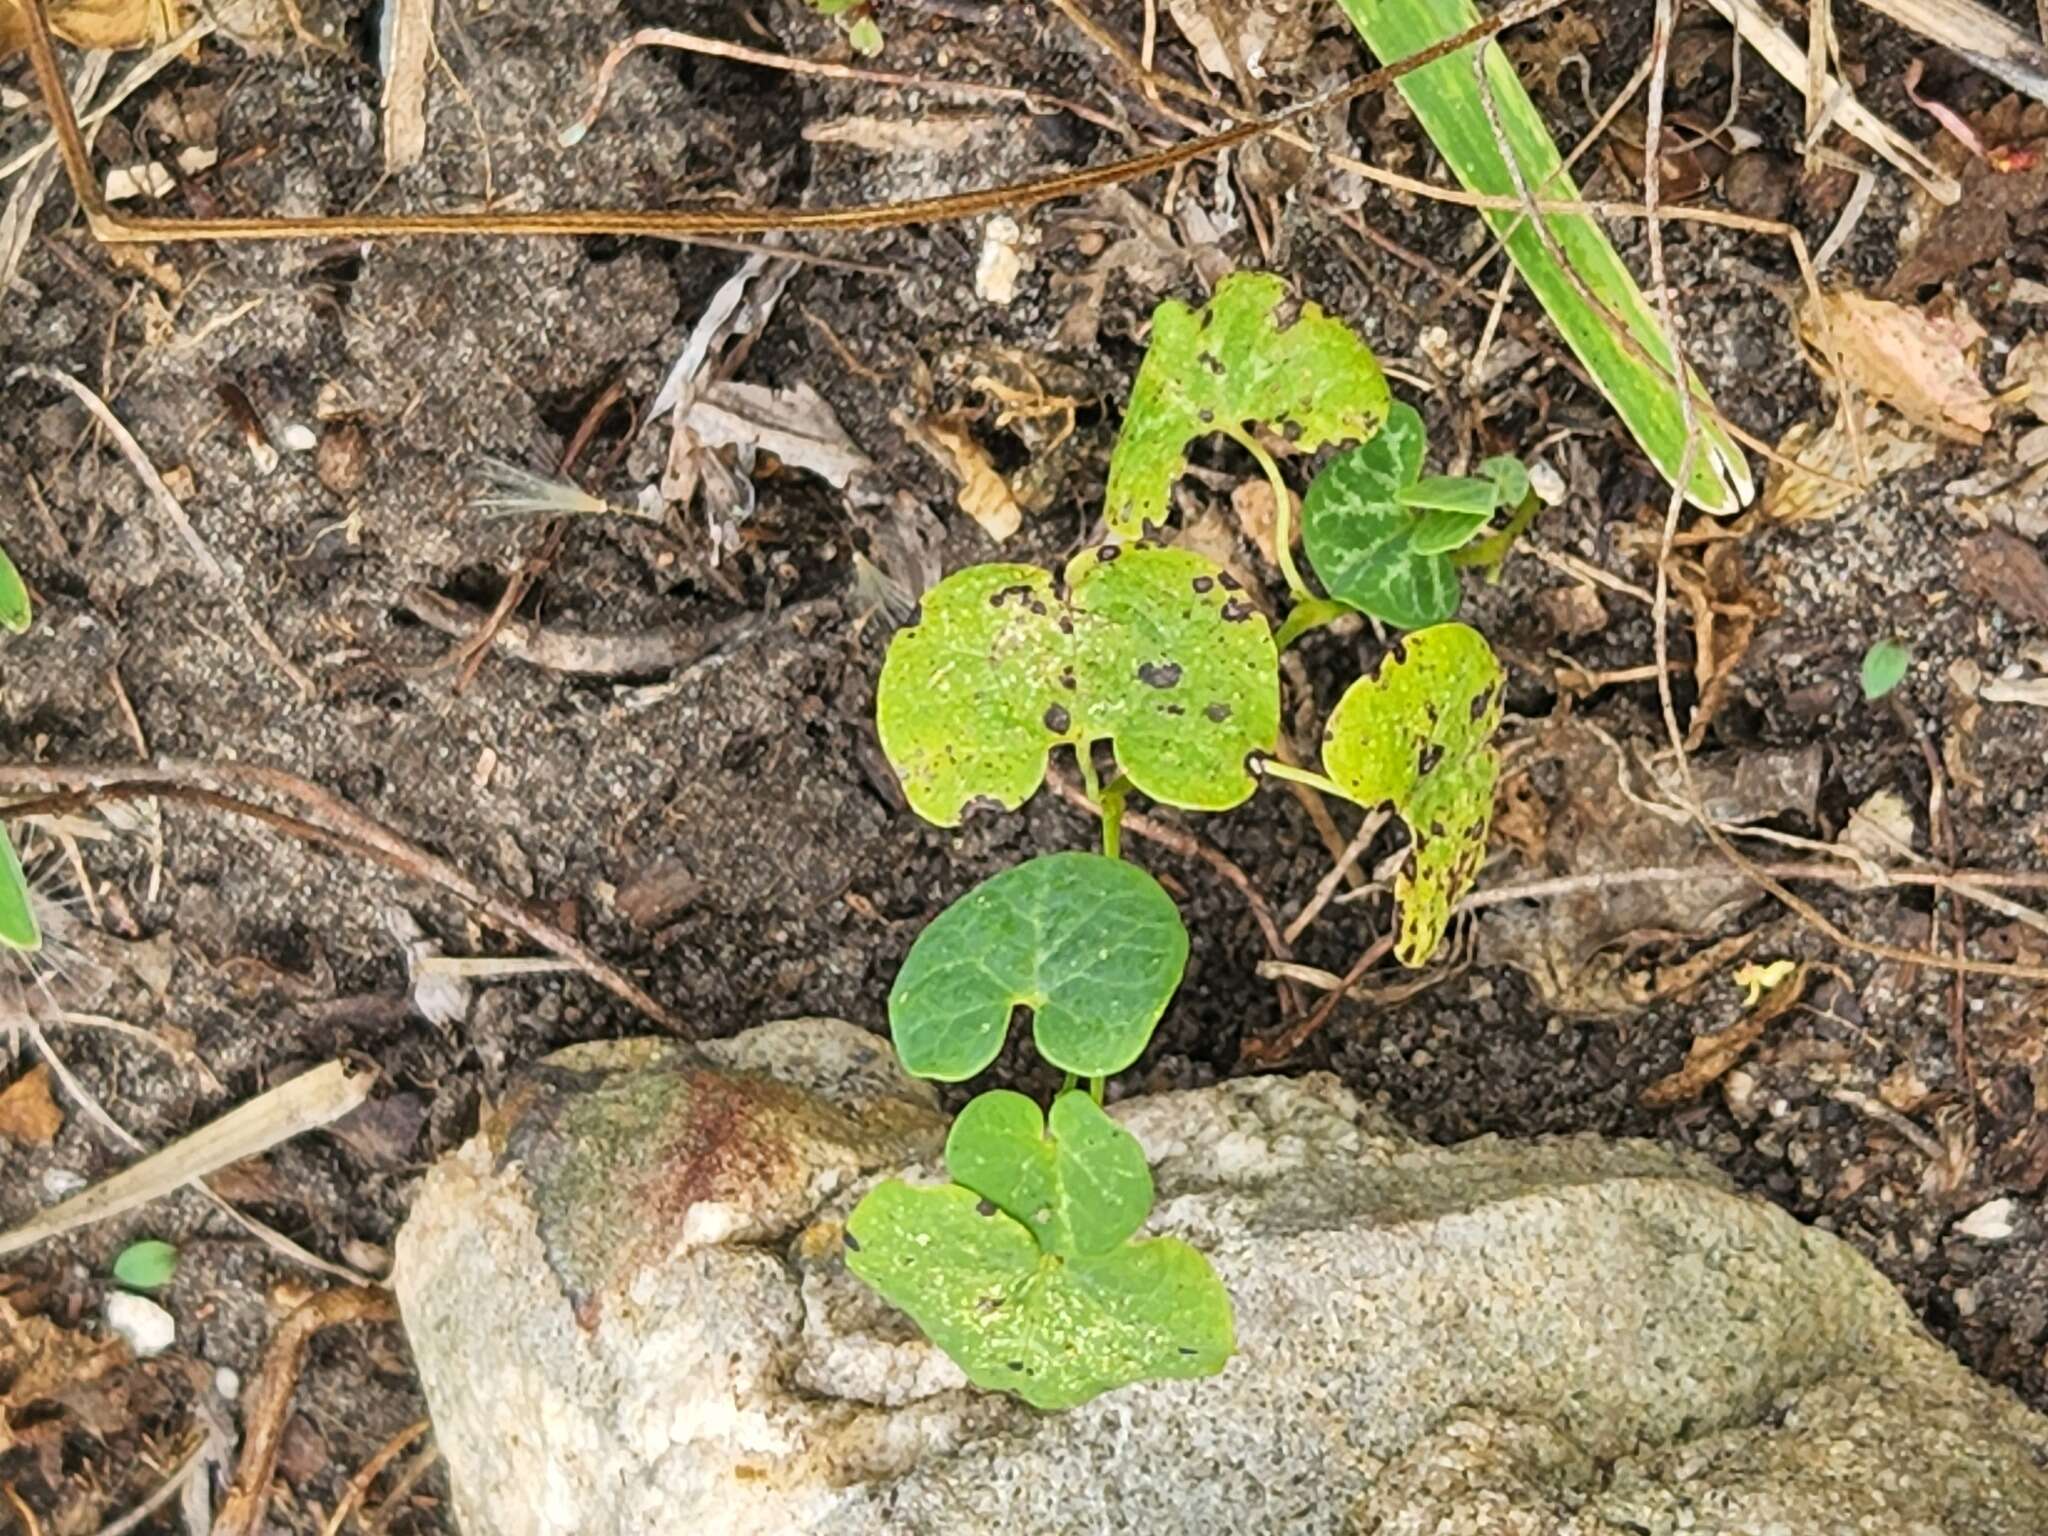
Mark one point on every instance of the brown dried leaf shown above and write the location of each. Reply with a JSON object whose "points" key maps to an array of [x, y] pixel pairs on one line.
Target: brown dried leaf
{"points": [[28, 1115], [2006, 571], [1889, 448], [984, 494], [1711, 1056], [40, 1361], [96, 23], [1913, 360]]}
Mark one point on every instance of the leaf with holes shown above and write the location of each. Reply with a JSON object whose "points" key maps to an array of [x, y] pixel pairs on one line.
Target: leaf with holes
{"points": [[1157, 651], [1024, 1270], [14, 607], [1092, 946], [1234, 364], [19, 930], [1419, 736]]}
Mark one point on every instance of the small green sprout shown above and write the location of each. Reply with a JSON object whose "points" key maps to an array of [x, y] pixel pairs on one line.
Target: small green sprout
{"points": [[1885, 666], [14, 605], [146, 1266], [1025, 1269], [857, 20]]}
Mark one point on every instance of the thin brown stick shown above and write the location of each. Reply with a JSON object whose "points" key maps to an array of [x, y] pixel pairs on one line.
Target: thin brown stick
{"points": [[114, 228], [1327, 886], [270, 1397], [408, 1478], [366, 1475], [331, 822], [1256, 1052]]}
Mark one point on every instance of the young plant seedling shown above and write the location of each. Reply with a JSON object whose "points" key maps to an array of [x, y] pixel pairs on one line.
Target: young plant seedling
{"points": [[856, 19], [1382, 536], [1026, 1268]]}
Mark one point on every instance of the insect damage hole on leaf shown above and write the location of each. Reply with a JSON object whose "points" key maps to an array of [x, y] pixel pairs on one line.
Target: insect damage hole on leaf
{"points": [[1156, 651], [1230, 367], [1093, 946], [1026, 1270], [1419, 735]]}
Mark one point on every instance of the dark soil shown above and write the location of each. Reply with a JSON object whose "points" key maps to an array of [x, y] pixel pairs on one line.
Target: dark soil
{"points": [[736, 842]]}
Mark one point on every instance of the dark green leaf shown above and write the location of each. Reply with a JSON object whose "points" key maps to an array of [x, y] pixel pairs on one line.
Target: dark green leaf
{"points": [[1361, 539], [1092, 946]]}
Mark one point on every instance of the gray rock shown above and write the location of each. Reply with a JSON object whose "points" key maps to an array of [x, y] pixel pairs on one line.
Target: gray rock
{"points": [[630, 1311]]}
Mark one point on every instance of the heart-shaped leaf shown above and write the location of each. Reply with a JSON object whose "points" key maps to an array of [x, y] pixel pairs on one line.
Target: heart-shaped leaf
{"points": [[14, 607], [1358, 535], [1024, 1271], [1155, 650], [1419, 737], [1510, 479], [19, 930], [1077, 1181], [1092, 946], [1231, 365]]}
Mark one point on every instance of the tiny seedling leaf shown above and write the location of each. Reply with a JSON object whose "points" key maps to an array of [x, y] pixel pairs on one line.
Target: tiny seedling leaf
{"points": [[1024, 1270], [1155, 650], [1440, 532], [1419, 737], [19, 930], [1361, 539], [1885, 666], [1092, 946], [146, 1266], [14, 607], [1462, 494], [1234, 364], [1510, 479]]}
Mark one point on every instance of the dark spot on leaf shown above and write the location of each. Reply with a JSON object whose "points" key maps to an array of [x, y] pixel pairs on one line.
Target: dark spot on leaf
{"points": [[1481, 702], [1160, 674], [1205, 416], [1175, 709], [1184, 1349], [1038, 607], [1067, 679], [1238, 609], [1204, 583], [1057, 720], [1066, 625], [1018, 1365], [1397, 653], [984, 1207], [1218, 712], [1109, 552], [852, 1243], [1430, 757], [1230, 582], [1214, 364]]}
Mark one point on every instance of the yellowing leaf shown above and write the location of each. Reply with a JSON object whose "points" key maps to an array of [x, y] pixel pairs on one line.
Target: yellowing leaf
{"points": [[1755, 980], [1914, 361]]}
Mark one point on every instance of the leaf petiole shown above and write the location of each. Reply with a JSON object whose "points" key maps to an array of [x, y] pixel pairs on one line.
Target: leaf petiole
{"points": [[1490, 553], [1307, 616], [1272, 767], [1111, 803], [1283, 511]]}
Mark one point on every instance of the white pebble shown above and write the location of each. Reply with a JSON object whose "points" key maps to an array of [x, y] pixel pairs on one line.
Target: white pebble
{"points": [[227, 1383], [1989, 1223], [298, 439], [58, 1183], [147, 1327]]}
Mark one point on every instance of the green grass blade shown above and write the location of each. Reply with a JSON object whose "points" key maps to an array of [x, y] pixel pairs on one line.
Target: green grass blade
{"points": [[1447, 101]]}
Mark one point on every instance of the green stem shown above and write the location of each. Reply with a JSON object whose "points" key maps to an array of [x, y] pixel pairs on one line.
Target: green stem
{"points": [[1068, 1085], [1111, 803], [1491, 552], [1095, 1086], [1283, 513], [1084, 759], [1309, 615], [1273, 768]]}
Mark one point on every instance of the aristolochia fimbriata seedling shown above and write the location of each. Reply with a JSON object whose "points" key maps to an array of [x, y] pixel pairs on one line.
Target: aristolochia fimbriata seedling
{"points": [[1026, 1268], [19, 930]]}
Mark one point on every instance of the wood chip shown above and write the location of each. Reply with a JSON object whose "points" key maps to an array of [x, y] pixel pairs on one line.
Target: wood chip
{"points": [[407, 53], [2006, 571], [984, 495], [28, 1115]]}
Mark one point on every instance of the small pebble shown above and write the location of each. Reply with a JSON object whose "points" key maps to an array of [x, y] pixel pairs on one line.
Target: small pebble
{"points": [[58, 1183], [147, 1327], [227, 1383], [1989, 1223]]}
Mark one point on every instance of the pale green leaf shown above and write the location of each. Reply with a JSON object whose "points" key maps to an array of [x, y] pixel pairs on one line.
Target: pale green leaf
{"points": [[14, 604], [19, 930], [1092, 946], [1450, 493], [1510, 479], [1638, 382], [1154, 650], [1885, 666], [1235, 364], [1053, 1329], [1079, 1184], [1418, 737], [146, 1266]]}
